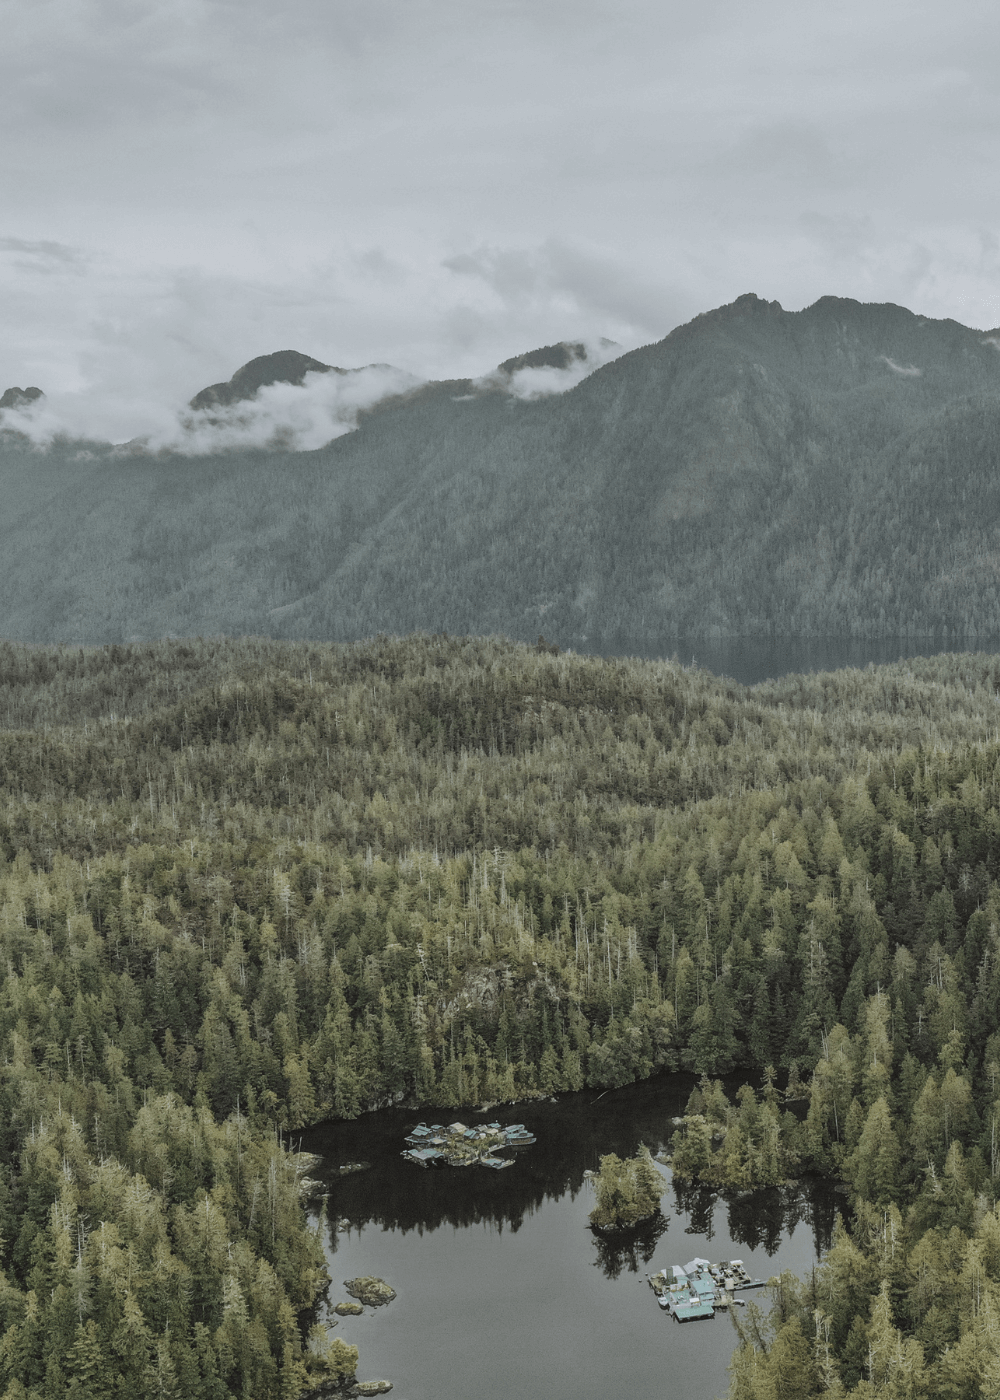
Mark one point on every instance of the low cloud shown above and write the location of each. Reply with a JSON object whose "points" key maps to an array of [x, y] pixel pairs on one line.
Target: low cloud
{"points": [[289, 417], [284, 417], [910, 371], [541, 381], [297, 418]]}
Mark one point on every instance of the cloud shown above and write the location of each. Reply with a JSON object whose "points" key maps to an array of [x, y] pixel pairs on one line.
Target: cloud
{"points": [[41, 251], [294, 417], [910, 371], [190, 183], [842, 237], [541, 381], [562, 290], [291, 417]]}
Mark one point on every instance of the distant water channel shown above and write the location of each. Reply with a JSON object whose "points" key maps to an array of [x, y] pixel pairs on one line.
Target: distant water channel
{"points": [[502, 1288], [750, 660]]}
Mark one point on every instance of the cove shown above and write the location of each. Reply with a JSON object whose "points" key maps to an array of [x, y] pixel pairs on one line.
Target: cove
{"points": [[502, 1288]]}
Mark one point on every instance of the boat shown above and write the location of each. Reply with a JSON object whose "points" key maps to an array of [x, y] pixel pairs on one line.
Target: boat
{"points": [[518, 1136]]}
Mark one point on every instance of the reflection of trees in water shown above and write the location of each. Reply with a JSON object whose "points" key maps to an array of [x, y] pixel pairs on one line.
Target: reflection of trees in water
{"points": [[762, 1219], [404, 1199], [698, 1204], [629, 1248], [572, 1136], [398, 1195], [756, 1218]]}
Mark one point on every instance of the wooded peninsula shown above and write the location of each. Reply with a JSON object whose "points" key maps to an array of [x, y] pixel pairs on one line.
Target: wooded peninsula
{"points": [[249, 885]]}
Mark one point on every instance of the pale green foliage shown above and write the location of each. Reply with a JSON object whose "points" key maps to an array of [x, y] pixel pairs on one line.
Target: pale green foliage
{"points": [[747, 1145]]}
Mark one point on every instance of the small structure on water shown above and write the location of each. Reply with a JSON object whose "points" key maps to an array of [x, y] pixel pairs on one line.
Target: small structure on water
{"points": [[699, 1289], [459, 1146]]}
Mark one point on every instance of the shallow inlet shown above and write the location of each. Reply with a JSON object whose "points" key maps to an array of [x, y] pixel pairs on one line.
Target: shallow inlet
{"points": [[501, 1286]]}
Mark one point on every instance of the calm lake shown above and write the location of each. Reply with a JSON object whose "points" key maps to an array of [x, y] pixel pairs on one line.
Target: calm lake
{"points": [[753, 659], [502, 1288]]}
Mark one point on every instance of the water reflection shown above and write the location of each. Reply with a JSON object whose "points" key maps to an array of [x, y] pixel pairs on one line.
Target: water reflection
{"points": [[529, 1296], [761, 1219], [628, 1249], [572, 1135]]}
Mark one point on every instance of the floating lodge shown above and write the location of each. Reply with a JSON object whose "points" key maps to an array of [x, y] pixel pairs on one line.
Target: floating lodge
{"points": [[700, 1289], [459, 1146]]}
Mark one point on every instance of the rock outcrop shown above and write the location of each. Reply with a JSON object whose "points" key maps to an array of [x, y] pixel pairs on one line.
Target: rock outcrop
{"points": [[375, 1292]]}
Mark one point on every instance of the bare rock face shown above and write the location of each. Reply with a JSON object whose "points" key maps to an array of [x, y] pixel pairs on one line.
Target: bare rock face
{"points": [[283, 367], [373, 1387], [20, 398]]}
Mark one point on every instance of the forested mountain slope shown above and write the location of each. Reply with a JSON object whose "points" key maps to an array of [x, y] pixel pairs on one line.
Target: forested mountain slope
{"points": [[247, 885], [829, 471]]}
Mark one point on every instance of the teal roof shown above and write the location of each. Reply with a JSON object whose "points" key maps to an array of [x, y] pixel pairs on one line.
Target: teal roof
{"points": [[685, 1311]]}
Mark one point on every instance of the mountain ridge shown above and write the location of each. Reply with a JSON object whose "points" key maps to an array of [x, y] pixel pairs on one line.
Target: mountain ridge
{"points": [[280, 367], [756, 472]]}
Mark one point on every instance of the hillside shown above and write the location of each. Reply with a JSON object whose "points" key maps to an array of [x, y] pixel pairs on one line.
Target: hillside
{"points": [[245, 886], [758, 472]]}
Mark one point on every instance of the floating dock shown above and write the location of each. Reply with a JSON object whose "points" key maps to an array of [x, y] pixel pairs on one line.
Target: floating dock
{"points": [[699, 1289], [435, 1145]]}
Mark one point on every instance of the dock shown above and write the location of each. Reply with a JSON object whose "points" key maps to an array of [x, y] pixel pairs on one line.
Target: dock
{"points": [[700, 1289]]}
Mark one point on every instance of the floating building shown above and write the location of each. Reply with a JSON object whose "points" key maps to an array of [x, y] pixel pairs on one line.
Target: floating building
{"points": [[459, 1146], [699, 1288]]}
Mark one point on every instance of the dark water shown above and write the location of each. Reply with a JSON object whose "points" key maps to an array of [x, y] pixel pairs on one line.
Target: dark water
{"points": [[752, 659], [502, 1288]]}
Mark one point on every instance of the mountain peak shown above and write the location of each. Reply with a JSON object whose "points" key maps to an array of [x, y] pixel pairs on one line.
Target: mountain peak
{"points": [[559, 356], [281, 367], [20, 398]]}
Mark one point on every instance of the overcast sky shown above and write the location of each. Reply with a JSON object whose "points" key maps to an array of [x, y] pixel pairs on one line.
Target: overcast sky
{"points": [[440, 184]]}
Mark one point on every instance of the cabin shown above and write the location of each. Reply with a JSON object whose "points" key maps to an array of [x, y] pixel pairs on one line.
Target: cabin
{"points": [[424, 1156]]}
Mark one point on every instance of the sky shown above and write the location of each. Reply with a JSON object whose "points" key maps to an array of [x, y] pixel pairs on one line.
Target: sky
{"points": [[440, 184]]}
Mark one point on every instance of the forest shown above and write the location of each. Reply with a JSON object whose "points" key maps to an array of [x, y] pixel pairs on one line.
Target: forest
{"points": [[249, 885]]}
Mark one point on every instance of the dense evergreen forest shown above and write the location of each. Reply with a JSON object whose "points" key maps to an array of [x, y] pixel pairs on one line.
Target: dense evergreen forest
{"points": [[826, 472], [248, 885]]}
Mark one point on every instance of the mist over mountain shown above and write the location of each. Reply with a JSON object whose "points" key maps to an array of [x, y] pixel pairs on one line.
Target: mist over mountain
{"points": [[758, 472], [282, 367], [16, 397]]}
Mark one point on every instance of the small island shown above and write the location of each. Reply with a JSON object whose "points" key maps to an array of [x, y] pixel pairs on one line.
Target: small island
{"points": [[628, 1192]]}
